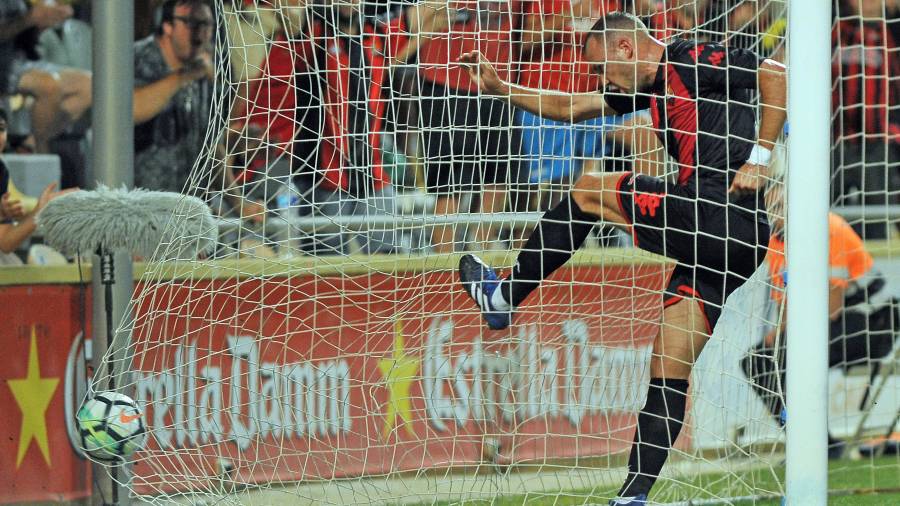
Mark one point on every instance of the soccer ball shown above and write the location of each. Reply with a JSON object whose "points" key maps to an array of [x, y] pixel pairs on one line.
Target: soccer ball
{"points": [[111, 426]]}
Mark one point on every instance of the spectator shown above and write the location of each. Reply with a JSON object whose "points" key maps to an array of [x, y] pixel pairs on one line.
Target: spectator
{"points": [[61, 94], [342, 50], [469, 145], [861, 310], [265, 65], [676, 18], [173, 100], [551, 50], [17, 225], [173, 95], [70, 45], [866, 125], [265, 113]]}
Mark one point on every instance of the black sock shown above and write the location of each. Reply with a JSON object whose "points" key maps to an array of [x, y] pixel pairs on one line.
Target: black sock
{"points": [[561, 231], [657, 429]]}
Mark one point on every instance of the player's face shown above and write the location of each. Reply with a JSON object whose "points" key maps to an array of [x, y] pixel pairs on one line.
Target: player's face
{"points": [[190, 31], [616, 65]]}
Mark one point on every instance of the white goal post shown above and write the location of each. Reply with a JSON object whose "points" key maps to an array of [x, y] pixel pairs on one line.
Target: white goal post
{"points": [[809, 111]]}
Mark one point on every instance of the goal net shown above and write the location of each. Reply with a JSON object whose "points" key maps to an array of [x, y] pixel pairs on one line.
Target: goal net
{"points": [[326, 353]]}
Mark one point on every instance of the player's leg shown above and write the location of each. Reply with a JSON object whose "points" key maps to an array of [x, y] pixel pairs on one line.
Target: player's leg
{"points": [[682, 336], [561, 231], [636, 135]]}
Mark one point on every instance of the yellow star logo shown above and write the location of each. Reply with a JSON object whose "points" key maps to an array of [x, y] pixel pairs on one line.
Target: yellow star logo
{"points": [[399, 371], [33, 395]]}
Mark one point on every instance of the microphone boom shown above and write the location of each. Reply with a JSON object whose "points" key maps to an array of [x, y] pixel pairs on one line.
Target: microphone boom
{"points": [[136, 221]]}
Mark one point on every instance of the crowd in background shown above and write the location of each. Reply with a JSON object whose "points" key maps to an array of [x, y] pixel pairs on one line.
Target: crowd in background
{"points": [[359, 109]]}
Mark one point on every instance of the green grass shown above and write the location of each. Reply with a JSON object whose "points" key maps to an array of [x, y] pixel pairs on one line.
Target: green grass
{"points": [[850, 483]]}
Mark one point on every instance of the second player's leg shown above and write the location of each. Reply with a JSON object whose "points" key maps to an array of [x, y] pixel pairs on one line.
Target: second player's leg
{"points": [[561, 231], [681, 338]]}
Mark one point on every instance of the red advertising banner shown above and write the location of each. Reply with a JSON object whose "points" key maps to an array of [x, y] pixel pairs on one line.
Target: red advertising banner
{"points": [[313, 378], [37, 462], [317, 378]]}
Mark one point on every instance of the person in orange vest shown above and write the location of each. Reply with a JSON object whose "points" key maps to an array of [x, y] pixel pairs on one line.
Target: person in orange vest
{"points": [[862, 311]]}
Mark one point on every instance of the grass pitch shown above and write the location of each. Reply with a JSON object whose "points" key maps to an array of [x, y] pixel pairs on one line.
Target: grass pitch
{"points": [[865, 482]]}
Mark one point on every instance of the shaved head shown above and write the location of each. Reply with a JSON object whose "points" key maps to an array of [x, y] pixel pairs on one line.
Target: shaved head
{"points": [[618, 24], [622, 52]]}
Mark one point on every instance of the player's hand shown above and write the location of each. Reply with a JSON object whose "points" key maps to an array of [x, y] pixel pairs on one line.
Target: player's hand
{"points": [[44, 16], [748, 179], [482, 73], [11, 209]]}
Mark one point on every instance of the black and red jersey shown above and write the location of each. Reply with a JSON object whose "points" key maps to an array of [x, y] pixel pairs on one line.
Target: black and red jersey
{"points": [[866, 73], [702, 108]]}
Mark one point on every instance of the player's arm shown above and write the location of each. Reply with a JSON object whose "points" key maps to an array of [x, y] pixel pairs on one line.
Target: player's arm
{"points": [[573, 107], [773, 101], [743, 69]]}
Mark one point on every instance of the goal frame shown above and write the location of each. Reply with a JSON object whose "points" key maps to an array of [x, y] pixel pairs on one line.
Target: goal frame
{"points": [[809, 113], [809, 104]]}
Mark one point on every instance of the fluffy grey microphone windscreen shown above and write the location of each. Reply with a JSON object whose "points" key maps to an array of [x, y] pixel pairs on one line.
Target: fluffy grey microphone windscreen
{"points": [[134, 221]]}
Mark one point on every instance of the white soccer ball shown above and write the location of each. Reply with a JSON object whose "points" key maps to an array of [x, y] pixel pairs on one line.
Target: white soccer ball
{"points": [[111, 426]]}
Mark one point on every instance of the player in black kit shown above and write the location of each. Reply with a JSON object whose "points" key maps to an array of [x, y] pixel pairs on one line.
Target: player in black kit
{"points": [[711, 220]]}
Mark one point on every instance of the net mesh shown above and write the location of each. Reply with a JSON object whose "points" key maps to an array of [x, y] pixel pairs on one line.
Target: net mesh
{"points": [[326, 353]]}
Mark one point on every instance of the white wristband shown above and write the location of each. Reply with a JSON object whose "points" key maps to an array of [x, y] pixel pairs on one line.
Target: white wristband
{"points": [[760, 156]]}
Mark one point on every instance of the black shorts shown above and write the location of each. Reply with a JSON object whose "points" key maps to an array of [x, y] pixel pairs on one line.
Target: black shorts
{"points": [[469, 141], [717, 247]]}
